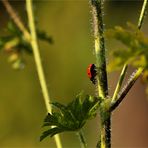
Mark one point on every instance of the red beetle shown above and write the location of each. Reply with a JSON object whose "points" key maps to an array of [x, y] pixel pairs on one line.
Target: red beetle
{"points": [[92, 72]]}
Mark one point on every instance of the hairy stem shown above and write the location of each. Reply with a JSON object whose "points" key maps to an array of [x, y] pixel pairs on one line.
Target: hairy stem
{"points": [[37, 58], [126, 88], [98, 27], [105, 134], [99, 47]]}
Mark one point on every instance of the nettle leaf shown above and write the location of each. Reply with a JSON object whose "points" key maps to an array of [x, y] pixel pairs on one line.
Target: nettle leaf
{"points": [[70, 117], [51, 132], [90, 106], [136, 52], [51, 120]]}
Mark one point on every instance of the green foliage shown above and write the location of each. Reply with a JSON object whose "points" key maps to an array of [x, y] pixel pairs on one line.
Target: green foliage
{"points": [[71, 117], [135, 52], [14, 44], [42, 35]]}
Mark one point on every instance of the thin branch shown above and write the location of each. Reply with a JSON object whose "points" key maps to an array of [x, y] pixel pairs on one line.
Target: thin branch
{"points": [[119, 84], [37, 58], [126, 89], [142, 14], [16, 19]]}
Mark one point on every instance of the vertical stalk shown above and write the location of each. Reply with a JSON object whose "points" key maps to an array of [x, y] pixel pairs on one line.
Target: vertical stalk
{"points": [[39, 66], [98, 27], [105, 137]]}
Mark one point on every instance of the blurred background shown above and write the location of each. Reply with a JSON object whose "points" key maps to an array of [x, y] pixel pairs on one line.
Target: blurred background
{"points": [[22, 109]]}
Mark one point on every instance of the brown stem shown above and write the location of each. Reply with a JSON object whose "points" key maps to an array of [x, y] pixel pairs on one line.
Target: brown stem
{"points": [[12, 13]]}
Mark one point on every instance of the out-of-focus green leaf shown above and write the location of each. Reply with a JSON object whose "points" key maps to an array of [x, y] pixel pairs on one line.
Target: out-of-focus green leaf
{"points": [[13, 29], [145, 76], [14, 43], [42, 35], [137, 45], [135, 53]]}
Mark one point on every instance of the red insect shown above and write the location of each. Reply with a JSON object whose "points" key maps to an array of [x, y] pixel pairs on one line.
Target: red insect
{"points": [[92, 72]]}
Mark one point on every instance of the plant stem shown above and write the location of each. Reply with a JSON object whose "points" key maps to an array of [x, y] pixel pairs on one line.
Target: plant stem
{"points": [[105, 132], [37, 58], [99, 47], [32, 39], [142, 14], [126, 89], [82, 139], [119, 84], [36, 53]]}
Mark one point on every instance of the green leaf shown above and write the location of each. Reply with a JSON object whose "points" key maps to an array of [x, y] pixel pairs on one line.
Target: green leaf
{"points": [[64, 111], [90, 106], [59, 106], [51, 120], [13, 29], [14, 42], [70, 117], [42, 35], [50, 132], [136, 44], [145, 76], [4, 40]]}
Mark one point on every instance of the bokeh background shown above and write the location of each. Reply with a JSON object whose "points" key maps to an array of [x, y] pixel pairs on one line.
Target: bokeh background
{"points": [[22, 109]]}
